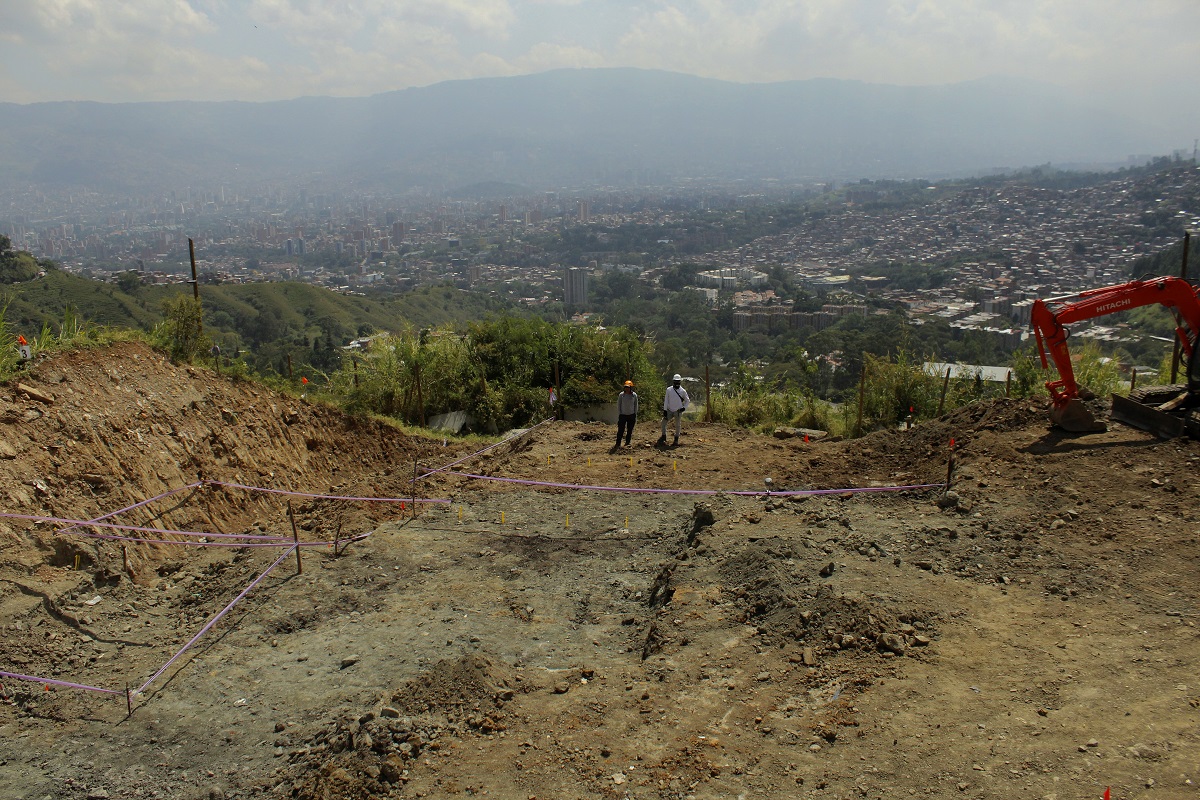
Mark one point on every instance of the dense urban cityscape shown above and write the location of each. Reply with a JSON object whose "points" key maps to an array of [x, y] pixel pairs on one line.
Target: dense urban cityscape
{"points": [[1009, 241]]}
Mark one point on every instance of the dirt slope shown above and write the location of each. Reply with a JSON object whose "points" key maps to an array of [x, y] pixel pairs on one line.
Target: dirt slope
{"points": [[1032, 635]]}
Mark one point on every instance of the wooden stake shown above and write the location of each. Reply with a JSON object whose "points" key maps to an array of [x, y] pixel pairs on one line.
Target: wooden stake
{"points": [[707, 396], [1183, 268], [862, 391], [557, 393], [945, 386], [128, 701], [195, 280], [420, 398], [295, 538]]}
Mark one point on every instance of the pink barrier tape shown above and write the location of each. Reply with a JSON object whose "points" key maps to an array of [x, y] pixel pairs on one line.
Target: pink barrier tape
{"points": [[192, 542], [757, 493], [279, 543], [481, 452], [264, 541], [65, 684], [142, 503], [328, 496], [78, 523], [141, 689]]}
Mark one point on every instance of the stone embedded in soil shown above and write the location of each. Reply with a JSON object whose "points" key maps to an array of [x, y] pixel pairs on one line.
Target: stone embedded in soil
{"points": [[350, 661], [948, 500]]}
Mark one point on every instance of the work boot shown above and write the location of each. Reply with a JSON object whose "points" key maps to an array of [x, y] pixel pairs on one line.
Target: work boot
{"points": [[662, 441], [676, 442]]}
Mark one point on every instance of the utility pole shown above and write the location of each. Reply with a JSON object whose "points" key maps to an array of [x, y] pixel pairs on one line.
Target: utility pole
{"points": [[195, 281], [1183, 271]]}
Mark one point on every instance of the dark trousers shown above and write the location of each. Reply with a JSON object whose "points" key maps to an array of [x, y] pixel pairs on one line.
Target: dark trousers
{"points": [[625, 427]]}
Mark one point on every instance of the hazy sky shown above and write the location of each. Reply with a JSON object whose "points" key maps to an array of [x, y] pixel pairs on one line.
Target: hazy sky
{"points": [[130, 50]]}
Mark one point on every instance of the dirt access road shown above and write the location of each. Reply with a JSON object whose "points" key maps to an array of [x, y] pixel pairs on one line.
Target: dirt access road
{"points": [[1032, 635]]}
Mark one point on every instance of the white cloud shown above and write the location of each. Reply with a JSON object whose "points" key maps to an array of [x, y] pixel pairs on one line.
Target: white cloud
{"points": [[267, 49]]}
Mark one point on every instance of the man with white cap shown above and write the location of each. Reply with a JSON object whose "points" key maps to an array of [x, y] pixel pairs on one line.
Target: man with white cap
{"points": [[674, 404]]}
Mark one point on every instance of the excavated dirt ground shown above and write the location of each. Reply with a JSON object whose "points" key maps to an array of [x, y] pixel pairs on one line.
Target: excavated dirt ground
{"points": [[1032, 635]]}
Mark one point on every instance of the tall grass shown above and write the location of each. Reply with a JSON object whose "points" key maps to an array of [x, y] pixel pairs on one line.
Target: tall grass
{"points": [[74, 332], [763, 409]]}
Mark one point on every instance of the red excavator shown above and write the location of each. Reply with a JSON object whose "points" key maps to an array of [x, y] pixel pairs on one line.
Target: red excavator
{"points": [[1166, 410]]}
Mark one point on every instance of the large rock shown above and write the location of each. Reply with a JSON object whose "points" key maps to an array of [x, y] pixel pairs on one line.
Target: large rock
{"points": [[35, 394]]}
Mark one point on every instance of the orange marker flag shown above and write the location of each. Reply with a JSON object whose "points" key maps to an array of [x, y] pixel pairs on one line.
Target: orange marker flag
{"points": [[1107, 793], [303, 379], [21, 340]]}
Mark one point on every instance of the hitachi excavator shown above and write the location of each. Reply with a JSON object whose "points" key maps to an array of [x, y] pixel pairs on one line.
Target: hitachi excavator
{"points": [[1168, 411]]}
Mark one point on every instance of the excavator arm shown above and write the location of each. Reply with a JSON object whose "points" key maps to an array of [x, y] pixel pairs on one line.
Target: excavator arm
{"points": [[1049, 319]]}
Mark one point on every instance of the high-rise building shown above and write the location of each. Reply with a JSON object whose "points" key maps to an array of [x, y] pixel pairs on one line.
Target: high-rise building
{"points": [[584, 211], [575, 286], [398, 231], [503, 213]]}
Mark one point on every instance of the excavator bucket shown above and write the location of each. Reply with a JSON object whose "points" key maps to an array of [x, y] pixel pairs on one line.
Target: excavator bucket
{"points": [[1074, 416]]}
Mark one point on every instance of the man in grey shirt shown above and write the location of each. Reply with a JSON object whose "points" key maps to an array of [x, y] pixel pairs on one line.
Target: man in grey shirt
{"points": [[627, 410]]}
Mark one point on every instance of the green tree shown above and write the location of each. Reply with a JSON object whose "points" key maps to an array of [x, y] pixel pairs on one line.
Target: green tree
{"points": [[181, 332], [15, 266], [129, 282]]}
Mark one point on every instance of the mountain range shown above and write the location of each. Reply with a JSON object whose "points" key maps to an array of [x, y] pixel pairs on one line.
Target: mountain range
{"points": [[567, 128]]}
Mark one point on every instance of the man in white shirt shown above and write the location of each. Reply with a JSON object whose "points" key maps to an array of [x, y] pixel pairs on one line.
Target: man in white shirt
{"points": [[674, 404]]}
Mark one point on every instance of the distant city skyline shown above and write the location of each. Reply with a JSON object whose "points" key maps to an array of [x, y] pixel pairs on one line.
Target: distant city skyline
{"points": [[1139, 55]]}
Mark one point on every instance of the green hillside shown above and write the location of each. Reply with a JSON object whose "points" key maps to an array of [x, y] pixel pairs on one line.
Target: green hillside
{"points": [[266, 321], [45, 300]]}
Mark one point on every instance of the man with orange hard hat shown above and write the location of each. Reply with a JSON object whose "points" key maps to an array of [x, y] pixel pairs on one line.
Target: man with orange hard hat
{"points": [[627, 411]]}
